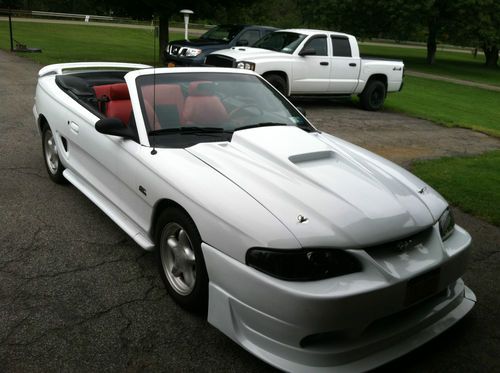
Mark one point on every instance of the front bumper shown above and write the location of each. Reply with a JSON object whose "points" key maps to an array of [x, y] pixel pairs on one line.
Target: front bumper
{"points": [[351, 323]]}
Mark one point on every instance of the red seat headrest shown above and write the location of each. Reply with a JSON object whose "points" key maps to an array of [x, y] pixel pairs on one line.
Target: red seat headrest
{"points": [[119, 92], [202, 88]]}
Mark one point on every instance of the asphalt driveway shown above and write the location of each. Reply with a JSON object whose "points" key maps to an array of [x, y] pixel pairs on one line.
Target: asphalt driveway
{"points": [[76, 294]]}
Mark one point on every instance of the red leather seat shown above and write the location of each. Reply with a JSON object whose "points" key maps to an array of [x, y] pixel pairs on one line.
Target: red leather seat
{"points": [[102, 95], [202, 106], [162, 95], [119, 105]]}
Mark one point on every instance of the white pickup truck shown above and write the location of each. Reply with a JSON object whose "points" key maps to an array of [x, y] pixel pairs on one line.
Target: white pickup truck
{"points": [[300, 62]]}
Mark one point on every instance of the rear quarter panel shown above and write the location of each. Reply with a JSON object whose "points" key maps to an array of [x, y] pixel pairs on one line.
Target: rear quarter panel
{"points": [[393, 70]]}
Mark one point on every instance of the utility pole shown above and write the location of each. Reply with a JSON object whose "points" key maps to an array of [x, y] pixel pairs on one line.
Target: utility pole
{"points": [[10, 30]]}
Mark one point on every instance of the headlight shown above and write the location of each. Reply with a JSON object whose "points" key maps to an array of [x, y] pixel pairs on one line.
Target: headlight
{"points": [[192, 52], [446, 224], [245, 65], [303, 265]]}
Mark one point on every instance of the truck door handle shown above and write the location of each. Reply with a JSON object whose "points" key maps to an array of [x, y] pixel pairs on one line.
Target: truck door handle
{"points": [[352, 64], [323, 63]]}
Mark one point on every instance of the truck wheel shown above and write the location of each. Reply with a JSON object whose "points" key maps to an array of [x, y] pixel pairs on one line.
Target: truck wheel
{"points": [[277, 82], [373, 96]]}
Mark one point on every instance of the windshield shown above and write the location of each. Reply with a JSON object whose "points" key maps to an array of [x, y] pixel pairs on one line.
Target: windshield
{"points": [[212, 105], [285, 42], [222, 33]]}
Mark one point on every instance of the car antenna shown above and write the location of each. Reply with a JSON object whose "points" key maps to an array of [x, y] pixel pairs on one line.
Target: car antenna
{"points": [[155, 34]]}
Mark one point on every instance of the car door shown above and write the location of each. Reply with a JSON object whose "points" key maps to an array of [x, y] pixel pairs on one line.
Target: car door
{"points": [[311, 67], [109, 165], [84, 148], [345, 68]]}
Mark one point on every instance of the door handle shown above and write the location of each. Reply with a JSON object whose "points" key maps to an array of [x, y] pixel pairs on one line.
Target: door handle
{"points": [[73, 126], [323, 63], [352, 64]]}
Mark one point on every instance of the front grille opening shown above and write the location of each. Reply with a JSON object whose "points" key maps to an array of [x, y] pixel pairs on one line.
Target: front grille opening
{"points": [[219, 61], [401, 245]]}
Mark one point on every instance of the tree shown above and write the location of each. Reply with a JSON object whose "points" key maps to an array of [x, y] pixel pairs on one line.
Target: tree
{"points": [[396, 19], [444, 18], [485, 32]]}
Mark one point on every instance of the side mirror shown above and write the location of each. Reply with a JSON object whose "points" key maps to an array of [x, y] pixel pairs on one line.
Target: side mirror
{"points": [[114, 127], [242, 42], [301, 110], [307, 52]]}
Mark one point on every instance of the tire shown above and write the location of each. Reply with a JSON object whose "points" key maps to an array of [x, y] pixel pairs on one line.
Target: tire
{"points": [[51, 157], [373, 96], [180, 260], [278, 82]]}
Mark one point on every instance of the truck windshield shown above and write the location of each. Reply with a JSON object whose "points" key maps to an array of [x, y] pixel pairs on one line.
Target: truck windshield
{"points": [[285, 42], [222, 33]]}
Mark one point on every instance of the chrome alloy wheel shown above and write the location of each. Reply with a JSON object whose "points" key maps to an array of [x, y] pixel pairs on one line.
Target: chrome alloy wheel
{"points": [[178, 258], [51, 154]]}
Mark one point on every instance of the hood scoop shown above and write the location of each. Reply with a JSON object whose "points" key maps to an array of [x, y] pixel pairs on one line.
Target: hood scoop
{"points": [[311, 157]]}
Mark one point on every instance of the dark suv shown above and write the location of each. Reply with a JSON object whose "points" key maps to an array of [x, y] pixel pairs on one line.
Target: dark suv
{"points": [[193, 52]]}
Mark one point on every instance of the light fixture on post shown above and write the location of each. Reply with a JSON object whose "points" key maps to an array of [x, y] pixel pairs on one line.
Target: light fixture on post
{"points": [[186, 13]]}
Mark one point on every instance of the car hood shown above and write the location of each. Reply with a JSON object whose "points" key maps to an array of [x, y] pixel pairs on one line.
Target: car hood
{"points": [[249, 53], [328, 193]]}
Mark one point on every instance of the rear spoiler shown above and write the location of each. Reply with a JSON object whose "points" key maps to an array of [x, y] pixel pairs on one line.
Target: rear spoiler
{"points": [[60, 68]]}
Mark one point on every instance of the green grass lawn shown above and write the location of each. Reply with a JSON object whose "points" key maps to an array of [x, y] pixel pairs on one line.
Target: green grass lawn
{"points": [[450, 104], [452, 64], [470, 183], [85, 42]]}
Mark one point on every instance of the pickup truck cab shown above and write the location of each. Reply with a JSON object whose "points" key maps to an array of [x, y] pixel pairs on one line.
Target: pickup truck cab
{"points": [[301, 62], [193, 52]]}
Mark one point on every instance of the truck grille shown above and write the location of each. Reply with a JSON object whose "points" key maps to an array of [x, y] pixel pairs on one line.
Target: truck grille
{"points": [[219, 61]]}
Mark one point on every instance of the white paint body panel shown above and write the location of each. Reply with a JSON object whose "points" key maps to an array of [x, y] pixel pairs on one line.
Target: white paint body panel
{"points": [[247, 193]]}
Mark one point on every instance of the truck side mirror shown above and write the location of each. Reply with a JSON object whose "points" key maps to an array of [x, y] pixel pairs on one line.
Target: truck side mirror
{"points": [[307, 52]]}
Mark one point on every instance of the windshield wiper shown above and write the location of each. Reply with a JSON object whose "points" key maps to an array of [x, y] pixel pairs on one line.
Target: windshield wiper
{"points": [[304, 127], [264, 124], [188, 130]]}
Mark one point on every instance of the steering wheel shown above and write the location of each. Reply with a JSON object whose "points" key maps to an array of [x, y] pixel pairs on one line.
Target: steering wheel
{"points": [[242, 112]]}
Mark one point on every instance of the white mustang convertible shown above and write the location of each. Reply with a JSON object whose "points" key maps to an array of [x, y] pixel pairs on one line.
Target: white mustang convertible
{"points": [[308, 251]]}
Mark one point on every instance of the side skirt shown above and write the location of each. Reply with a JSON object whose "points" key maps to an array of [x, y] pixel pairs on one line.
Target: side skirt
{"points": [[110, 209]]}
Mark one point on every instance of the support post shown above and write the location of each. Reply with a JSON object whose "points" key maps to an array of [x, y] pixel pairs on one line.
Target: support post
{"points": [[10, 31]]}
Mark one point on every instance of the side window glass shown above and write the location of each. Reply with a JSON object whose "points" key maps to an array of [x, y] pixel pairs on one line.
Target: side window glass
{"points": [[251, 36], [318, 43], [341, 47]]}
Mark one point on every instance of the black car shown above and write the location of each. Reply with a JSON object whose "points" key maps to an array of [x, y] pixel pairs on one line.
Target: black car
{"points": [[193, 52]]}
